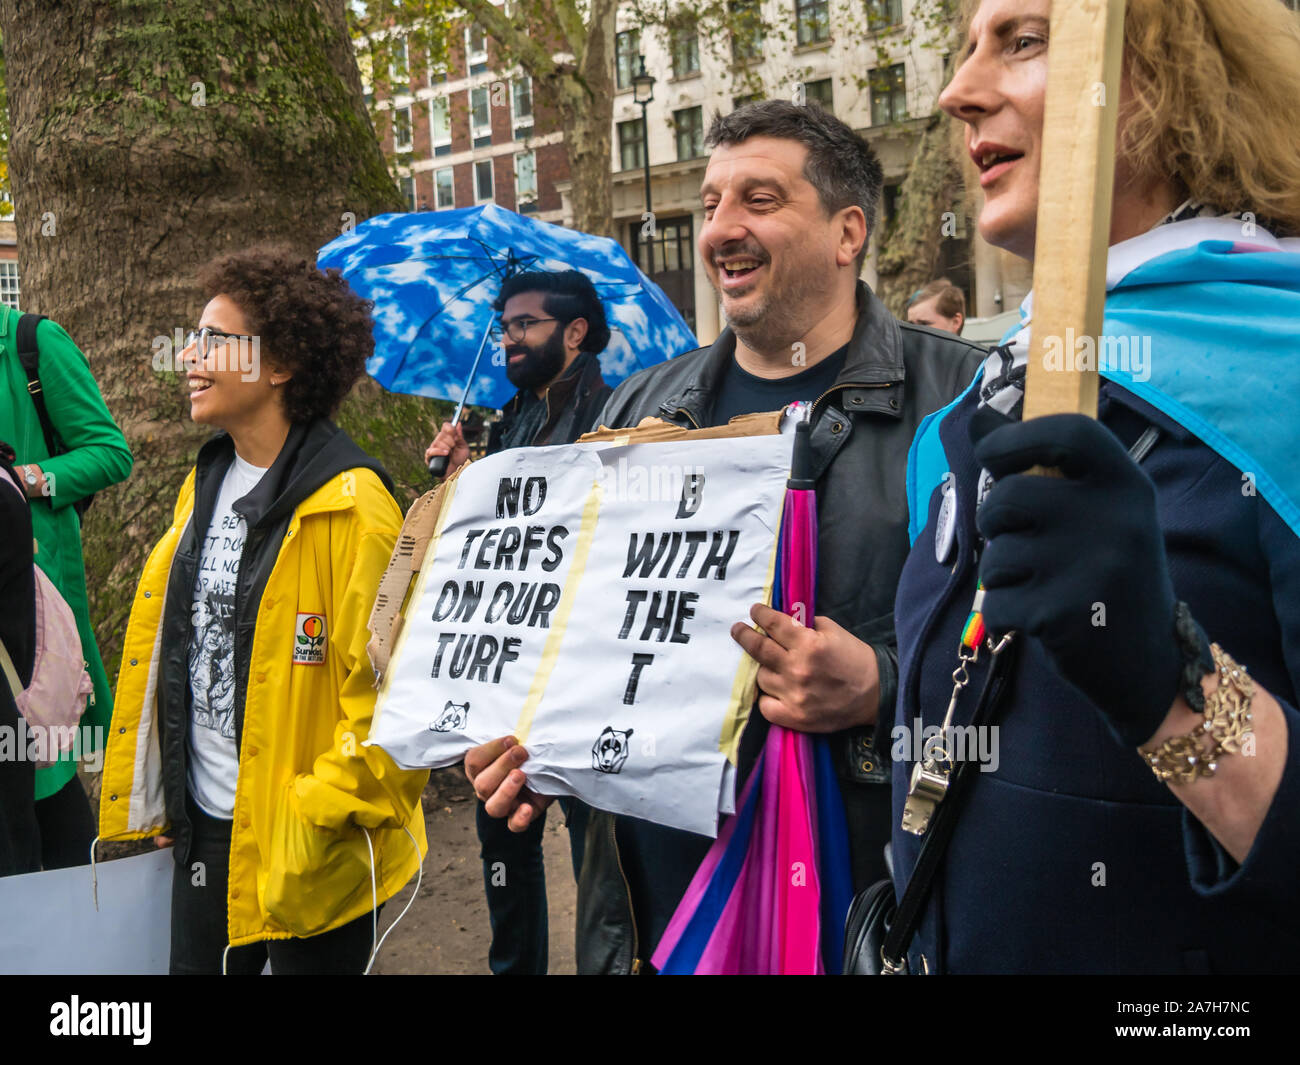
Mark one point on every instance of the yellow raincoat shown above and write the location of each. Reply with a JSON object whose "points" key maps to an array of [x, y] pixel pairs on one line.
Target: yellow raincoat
{"points": [[299, 862]]}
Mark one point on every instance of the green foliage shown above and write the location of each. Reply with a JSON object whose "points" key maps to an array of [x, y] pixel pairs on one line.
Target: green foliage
{"points": [[399, 44]]}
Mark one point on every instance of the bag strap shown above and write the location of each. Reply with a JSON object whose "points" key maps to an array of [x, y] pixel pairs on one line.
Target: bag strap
{"points": [[908, 915], [10, 672], [29, 354], [6, 662]]}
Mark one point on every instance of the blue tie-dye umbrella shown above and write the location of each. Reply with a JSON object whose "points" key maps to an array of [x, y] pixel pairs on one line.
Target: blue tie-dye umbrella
{"points": [[433, 276]]}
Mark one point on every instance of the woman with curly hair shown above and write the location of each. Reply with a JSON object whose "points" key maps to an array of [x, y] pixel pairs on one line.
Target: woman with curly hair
{"points": [[245, 692], [1139, 813]]}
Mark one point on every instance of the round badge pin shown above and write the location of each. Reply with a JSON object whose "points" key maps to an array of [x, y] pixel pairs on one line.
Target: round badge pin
{"points": [[945, 531], [986, 482]]}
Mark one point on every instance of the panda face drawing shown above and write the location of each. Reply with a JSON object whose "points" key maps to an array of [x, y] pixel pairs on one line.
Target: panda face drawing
{"points": [[453, 718], [609, 752]]}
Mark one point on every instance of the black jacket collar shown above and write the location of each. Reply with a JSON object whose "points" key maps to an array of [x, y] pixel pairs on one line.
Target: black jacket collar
{"points": [[312, 453], [874, 359]]}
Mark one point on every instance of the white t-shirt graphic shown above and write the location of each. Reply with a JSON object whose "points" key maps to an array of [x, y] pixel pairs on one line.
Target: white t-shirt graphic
{"points": [[213, 756]]}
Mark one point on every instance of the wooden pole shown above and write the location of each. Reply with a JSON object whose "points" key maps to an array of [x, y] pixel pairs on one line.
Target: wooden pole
{"points": [[1074, 202]]}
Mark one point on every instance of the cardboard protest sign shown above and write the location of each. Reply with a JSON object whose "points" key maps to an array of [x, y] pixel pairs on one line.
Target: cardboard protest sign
{"points": [[581, 598], [55, 929]]}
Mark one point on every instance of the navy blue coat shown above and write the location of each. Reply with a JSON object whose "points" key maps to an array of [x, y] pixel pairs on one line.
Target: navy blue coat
{"points": [[1071, 856]]}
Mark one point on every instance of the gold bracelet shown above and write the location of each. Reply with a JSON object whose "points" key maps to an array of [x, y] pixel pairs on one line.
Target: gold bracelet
{"points": [[1228, 721]]}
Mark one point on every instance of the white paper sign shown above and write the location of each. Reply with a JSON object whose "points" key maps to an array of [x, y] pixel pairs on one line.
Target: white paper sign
{"points": [[581, 598], [51, 925]]}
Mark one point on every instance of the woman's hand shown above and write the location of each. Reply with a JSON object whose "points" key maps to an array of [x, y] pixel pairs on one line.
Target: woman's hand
{"points": [[1077, 563], [40, 488]]}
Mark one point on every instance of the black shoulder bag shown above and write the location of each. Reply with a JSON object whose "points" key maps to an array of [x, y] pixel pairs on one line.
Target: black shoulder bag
{"points": [[29, 354]]}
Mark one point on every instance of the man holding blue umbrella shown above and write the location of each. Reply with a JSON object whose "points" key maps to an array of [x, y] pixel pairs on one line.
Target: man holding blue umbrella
{"points": [[553, 330]]}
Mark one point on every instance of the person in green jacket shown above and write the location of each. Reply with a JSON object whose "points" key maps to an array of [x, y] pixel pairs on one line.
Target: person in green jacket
{"points": [[94, 456]]}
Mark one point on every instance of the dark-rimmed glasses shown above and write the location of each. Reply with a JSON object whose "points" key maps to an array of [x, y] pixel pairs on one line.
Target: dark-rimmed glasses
{"points": [[517, 328], [203, 338]]}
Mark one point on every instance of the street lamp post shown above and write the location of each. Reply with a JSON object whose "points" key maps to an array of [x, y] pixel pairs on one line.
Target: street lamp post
{"points": [[643, 93]]}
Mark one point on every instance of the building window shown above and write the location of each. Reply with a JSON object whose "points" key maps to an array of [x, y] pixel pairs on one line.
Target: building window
{"points": [[673, 242], [402, 129], [475, 49], [888, 206], [689, 125], [444, 188], [399, 65], [820, 92], [440, 125], [483, 181], [747, 36], [686, 52], [674, 260], [630, 149], [525, 180], [888, 95], [437, 74], [9, 283], [521, 107], [812, 21], [407, 185], [627, 47], [881, 14], [480, 117]]}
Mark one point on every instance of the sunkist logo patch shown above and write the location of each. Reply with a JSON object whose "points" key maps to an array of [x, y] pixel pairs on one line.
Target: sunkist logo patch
{"points": [[309, 640]]}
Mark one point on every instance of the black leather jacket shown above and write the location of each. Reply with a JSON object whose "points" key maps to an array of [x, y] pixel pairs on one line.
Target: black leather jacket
{"points": [[894, 375], [571, 404]]}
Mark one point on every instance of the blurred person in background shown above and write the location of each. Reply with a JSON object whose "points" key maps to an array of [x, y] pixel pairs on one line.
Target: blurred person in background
{"points": [[940, 305]]}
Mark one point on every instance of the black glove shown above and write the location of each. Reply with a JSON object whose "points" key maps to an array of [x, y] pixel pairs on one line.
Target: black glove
{"points": [[1078, 563]]}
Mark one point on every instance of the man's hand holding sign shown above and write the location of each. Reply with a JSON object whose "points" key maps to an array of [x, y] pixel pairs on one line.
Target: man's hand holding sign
{"points": [[811, 679]]}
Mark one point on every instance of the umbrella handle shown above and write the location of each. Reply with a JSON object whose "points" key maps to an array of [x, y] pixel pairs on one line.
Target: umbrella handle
{"points": [[438, 467]]}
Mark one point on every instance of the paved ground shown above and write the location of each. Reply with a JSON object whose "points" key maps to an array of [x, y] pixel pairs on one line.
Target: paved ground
{"points": [[446, 930]]}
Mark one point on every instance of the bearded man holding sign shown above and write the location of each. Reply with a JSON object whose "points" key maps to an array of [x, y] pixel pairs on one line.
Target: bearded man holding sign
{"points": [[789, 196], [1146, 784]]}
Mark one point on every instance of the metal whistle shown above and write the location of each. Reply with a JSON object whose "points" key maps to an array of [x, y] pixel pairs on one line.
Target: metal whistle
{"points": [[928, 787]]}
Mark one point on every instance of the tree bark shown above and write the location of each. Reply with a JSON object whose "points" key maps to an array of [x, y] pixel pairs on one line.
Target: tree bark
{"points": [[147, 137]]}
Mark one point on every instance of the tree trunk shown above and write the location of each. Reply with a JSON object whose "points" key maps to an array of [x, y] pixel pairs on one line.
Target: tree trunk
{"points": [[584, 97], [147, 137], [587, 125]]}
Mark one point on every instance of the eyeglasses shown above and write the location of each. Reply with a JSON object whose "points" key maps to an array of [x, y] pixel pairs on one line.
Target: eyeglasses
{"points": [[517, 328], [203, 338]]}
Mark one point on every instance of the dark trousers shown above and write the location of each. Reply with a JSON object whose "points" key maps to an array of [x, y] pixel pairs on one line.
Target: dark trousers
{"points": [[67, 827], [199, 921], [514, 878]]}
